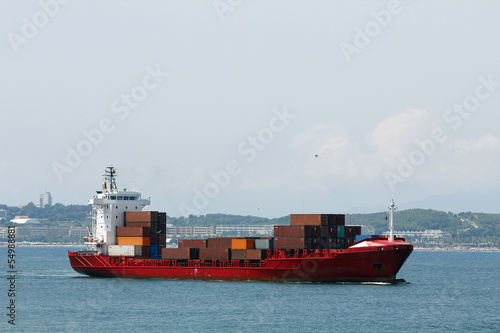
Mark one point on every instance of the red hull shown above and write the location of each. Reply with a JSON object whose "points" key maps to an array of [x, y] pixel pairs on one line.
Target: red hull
{"points": [[377, 261]]}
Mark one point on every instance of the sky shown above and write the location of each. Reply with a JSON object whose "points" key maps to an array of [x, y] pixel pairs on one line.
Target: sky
{"points": [[261, 108]]}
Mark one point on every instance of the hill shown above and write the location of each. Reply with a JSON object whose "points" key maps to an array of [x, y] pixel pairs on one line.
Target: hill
{"points": [[466, 224]]}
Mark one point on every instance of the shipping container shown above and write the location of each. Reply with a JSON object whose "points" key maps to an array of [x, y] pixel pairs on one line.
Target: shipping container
{"points": [[336, 219], [238, 254], [141, 216], [162, 218], [125, 250], [215, 254], [340, 231], [341, 243], [162, 228], [162, 239], [242, 243], [324, 243], [349, 241], [199, 243], [152, 225], [143, 241], [292, 243], [154, 250], [256, 254], [361, 237], [349, 231], [292, 231], [184, 253], [316, 230], [264, 243], [132, 231], [325, 231], [357, 231], [146, 251], [308, 219], [333, 244], [219, 243], [155, 239]]}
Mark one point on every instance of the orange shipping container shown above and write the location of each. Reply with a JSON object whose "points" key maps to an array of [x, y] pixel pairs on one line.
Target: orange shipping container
{"points": [[143, 241], [242, 244]]}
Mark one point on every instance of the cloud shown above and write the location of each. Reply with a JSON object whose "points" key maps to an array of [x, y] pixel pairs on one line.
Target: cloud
{"points": [[344, 161], [396, 134]]}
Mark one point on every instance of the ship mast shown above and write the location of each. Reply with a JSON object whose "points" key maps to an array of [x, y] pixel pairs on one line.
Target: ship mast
{"points": [[110, 177], [392, 208]]}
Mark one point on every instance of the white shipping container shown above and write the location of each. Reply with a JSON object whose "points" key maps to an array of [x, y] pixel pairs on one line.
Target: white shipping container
{"points": [[124, 250], [263, 244]]}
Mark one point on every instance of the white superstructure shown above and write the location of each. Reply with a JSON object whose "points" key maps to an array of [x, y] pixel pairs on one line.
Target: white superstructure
{"points": [[109, 206]]}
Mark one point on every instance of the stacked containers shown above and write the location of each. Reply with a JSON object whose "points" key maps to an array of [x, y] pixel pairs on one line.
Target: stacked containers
{"points": [[183, 253], [218, 248], [315, 231], [153, 226]]}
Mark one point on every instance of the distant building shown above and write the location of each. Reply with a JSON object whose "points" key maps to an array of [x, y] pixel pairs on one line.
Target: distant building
{"points": [[24, 220], [427, 234], [45, 199], [3, 213]]}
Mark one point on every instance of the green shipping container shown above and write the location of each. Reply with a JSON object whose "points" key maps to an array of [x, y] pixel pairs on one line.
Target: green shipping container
{"points": [[340, 231]]}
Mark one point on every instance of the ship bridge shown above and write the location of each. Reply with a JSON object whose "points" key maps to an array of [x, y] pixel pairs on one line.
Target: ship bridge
{"points": [[108, 213]]}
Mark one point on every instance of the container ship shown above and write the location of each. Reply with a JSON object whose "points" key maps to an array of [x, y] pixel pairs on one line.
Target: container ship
{"points": [[126, 241]]}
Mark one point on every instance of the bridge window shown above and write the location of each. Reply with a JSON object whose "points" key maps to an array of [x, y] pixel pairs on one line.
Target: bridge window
{"points": [[113, 197]]}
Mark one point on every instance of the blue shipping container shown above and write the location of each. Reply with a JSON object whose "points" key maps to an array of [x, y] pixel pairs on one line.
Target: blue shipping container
{"points": [[154, 251]]}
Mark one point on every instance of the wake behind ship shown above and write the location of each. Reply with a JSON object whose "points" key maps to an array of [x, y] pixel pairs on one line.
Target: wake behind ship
{"points": [[128, 242]]}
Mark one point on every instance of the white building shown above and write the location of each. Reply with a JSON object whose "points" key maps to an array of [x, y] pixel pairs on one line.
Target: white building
{"points": [[24, 220], [45, 199]]}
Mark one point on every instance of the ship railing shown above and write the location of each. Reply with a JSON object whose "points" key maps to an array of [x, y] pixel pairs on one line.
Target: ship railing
{"points": [[301, 253]]}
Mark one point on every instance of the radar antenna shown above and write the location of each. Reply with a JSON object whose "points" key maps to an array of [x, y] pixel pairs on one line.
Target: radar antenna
{"points": [[110, 177]]}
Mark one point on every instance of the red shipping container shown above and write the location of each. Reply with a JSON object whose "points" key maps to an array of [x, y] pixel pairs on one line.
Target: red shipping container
{"points": [[179, 254], [199, 243], [215, 254], [292, 231], [292, 243], [219, 243], [152, 225], [349, 231], [141, 216], [132, 231]]}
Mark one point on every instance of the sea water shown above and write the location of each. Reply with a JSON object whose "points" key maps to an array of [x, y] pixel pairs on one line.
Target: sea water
{"points": [[445, 292]]}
